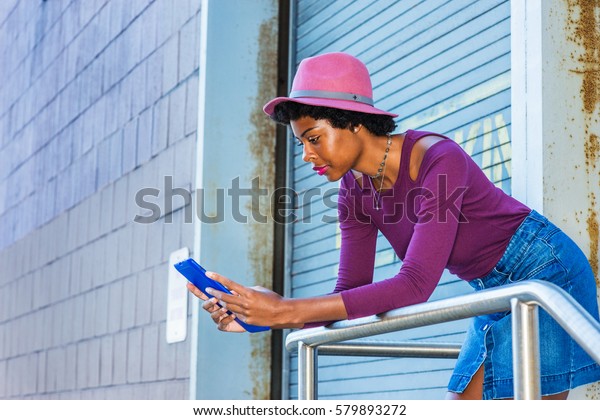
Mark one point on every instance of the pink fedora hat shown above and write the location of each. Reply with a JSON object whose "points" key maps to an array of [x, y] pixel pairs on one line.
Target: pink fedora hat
{"points": [[334, 80]]}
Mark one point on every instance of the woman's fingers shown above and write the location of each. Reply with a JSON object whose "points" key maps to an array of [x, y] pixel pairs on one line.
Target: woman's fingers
{"points": [[235, 288], [210, 305], [225, 299], [221, 304], [234, 307], [196, 292], [219, 315], [218, 310], [227, 324], [226, 321]]}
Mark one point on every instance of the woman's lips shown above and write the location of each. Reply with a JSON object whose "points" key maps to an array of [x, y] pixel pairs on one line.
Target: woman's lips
{"points": [[320, 169]]}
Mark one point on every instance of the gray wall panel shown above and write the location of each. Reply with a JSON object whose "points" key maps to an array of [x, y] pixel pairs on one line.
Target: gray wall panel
{"points": [[98, 100]]}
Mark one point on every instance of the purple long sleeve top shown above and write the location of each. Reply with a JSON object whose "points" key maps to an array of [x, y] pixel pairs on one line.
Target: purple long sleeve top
{"points": [[450, 217]]}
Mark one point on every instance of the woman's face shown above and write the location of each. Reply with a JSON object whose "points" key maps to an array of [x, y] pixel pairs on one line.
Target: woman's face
{"points": [[331, 151]]}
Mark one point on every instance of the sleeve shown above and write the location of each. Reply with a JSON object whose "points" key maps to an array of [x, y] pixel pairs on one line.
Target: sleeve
{"points": [[358, 245], [439, 200]]}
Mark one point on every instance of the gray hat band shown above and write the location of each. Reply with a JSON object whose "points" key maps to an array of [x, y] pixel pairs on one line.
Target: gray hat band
{"points": [[325, 94]]}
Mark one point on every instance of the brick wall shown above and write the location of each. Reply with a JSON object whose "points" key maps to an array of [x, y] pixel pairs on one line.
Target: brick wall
{"points": [[98, 99]]}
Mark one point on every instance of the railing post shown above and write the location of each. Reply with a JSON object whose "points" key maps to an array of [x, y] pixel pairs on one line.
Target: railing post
{"points": [[307, 372], [526, 350]]}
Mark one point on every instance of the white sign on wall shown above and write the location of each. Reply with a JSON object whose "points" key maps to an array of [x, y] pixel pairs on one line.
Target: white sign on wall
{"points": [[177, 299]]}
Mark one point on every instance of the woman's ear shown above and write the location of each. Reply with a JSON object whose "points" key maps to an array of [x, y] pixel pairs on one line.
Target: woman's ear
{"points": [[355, 128]]}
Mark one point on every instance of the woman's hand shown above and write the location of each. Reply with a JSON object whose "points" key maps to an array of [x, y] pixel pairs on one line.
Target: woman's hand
{"points": [[252, 305], [219, 315], [262, 307]]}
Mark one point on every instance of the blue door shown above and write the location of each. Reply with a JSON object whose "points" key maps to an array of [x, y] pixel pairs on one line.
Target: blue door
{"points": [[443, 66]]}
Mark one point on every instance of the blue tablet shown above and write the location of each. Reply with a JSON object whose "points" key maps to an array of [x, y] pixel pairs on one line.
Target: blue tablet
{"points": [[194, 272]]}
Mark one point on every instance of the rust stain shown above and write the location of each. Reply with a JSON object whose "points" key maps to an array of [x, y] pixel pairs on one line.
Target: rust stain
{"points": [[583, 25], [588, 31], [592, 151], [593, 392], [262, 149], [593, 231], [582, 22]]}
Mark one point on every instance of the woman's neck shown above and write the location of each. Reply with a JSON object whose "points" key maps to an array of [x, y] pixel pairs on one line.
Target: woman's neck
{"points": [[375, 156]]}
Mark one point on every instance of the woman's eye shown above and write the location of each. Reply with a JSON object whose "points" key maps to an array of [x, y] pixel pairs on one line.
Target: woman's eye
{"points": [[311, 140]]}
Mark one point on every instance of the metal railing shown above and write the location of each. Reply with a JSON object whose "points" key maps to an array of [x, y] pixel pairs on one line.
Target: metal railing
{"points": [[521, 298]]}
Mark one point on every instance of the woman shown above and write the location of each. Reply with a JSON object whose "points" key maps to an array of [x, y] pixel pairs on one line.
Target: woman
{"points": [[438, 210]]}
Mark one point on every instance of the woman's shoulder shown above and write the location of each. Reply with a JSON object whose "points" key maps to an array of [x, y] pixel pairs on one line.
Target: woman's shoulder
{"points": [[427, 145], [416, 135], [437, 146], [429, 148]]}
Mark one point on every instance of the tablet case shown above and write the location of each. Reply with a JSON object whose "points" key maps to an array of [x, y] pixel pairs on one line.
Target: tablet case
{"points": [[194, 272]]}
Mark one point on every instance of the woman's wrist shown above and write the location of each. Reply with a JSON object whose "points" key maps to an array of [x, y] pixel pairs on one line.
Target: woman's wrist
{"points": [[295, 312], [288, 316]]}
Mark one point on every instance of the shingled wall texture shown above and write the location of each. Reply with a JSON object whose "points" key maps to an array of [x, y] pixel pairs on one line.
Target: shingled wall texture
{"points": [[98, 99]]}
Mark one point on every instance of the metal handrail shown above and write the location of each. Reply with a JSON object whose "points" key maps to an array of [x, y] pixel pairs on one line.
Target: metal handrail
{"points": [[392, 349], [521, 298]]}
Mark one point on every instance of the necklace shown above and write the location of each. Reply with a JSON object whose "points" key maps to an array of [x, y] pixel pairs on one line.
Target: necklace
{"points": [[380, 173], [382, 164]]}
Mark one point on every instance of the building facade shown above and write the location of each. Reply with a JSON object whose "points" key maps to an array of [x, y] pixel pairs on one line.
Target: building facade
{"points": [[131, 133]]}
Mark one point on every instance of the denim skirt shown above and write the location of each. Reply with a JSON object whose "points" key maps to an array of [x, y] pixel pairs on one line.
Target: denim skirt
{"points": [[537, 250]]}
